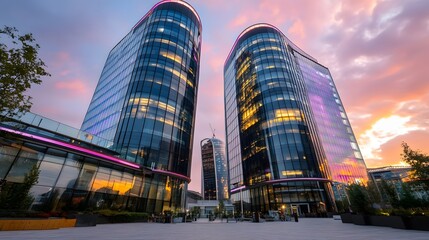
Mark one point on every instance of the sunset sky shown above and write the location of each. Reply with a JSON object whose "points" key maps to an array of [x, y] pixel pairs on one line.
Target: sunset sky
{"points": [[377, 51]]}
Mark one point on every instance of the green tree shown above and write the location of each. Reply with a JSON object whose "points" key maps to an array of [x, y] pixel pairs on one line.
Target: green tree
{"points": [[390, 193], [195, 212], [360, 201], [221, 207], [17, 195], [419, 163], [408, 200], [20, 67]]}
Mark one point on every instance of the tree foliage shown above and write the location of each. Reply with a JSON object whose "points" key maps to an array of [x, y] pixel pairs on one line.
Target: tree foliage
{"points": [[360, 200], [20, 67], [390, 193], [17, 195], [419, 163]]}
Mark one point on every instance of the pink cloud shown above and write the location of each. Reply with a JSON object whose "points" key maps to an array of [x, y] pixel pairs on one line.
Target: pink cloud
{"points": [[72, 86], [239, 21]]}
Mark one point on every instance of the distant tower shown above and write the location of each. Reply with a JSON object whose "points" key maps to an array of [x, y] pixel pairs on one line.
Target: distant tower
{"points": [[214, 170]]}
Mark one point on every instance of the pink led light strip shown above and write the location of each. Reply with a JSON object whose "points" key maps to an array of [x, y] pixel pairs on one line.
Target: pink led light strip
{"points": [[94, 153], [167, 1], [258, 25], [285, 180], [73, 147]]}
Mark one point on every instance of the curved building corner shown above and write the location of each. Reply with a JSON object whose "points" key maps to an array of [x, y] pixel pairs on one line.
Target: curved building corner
{"points": [[277, 158]]}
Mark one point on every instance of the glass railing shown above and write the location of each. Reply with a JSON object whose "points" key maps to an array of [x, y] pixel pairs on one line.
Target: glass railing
{"points": [[41, 122]]}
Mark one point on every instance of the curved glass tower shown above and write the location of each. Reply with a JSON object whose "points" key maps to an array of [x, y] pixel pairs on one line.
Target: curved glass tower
{"points": [[277, 158], [145, 100], [215, 170]]}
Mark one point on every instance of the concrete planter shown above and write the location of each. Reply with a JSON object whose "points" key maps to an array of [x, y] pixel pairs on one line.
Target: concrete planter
{"points": [[120, 219], [360, 219], [388, 221], [400, 222], [86, 220], [417, 222], [346, 218]]}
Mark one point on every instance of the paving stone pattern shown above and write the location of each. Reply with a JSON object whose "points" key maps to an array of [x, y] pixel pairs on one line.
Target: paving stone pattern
{"points": [[306, 228]]}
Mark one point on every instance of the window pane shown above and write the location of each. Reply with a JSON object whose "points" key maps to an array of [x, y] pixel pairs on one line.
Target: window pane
{"points": [[7, 155], [86, 177], [56, 156], [21, 167], [48, 173], [68, 177]]}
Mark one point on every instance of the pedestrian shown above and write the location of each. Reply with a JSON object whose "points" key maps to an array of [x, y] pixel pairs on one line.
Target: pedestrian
{"points": [[295, 216]]}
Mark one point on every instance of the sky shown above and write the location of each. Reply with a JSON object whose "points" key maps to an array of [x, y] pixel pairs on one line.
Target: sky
{"points": [[376, 51]]}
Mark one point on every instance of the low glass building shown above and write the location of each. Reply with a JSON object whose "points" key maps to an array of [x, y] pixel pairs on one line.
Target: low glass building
{"points": [[78, 172]]}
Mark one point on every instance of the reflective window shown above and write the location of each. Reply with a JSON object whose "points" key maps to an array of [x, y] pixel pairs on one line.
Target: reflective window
{"points": [[7, 156], [48, 173], [86, 177], [20, 168], [68, 177], [55, 156]]}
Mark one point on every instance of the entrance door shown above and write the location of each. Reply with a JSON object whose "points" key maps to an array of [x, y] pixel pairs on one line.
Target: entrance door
{"points": [[300, 208]]}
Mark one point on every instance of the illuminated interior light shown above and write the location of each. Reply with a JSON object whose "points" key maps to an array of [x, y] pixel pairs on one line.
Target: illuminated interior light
{"points": [[171, 56], [291, 172]]}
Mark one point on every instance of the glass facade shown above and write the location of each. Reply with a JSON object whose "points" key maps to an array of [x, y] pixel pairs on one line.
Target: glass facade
{"points": [[215, 170], [134, 150], [276, 154], [146, 98], [336, 135], [75, 178]]}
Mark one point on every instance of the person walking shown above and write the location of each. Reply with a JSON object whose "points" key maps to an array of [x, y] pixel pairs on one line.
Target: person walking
{"points": [[295, 216]]}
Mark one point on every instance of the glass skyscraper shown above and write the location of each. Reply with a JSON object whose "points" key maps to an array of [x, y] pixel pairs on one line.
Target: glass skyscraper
{"points": [[146, 96], [214, 170], [277, 156], [342, 151], [145, 100]]}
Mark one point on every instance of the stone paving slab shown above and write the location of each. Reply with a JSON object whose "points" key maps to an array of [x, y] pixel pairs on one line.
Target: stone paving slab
{"points": [[309, 228]]}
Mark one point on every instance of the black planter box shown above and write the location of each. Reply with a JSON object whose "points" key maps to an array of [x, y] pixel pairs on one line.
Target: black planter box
{"points": [[346, 218], [120, 219], [360, 219], [86, 220], [388, 221], [418, 222]]}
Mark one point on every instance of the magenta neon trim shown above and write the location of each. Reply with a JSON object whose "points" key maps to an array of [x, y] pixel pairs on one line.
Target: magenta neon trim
{"points": [[285, 180], [94, 153], [173, 174], [258, 25], [73, 147], [246, 31], [298, 179], [237, 189], [167, 1]]}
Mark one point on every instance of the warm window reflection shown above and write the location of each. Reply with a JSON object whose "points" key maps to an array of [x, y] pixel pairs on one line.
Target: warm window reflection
{"points": [[292, 173], [171, 56], [288, 115], [177, 73]]}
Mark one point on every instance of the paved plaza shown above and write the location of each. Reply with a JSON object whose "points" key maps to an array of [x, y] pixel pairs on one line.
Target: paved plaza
{"points": [[310, 228]]}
